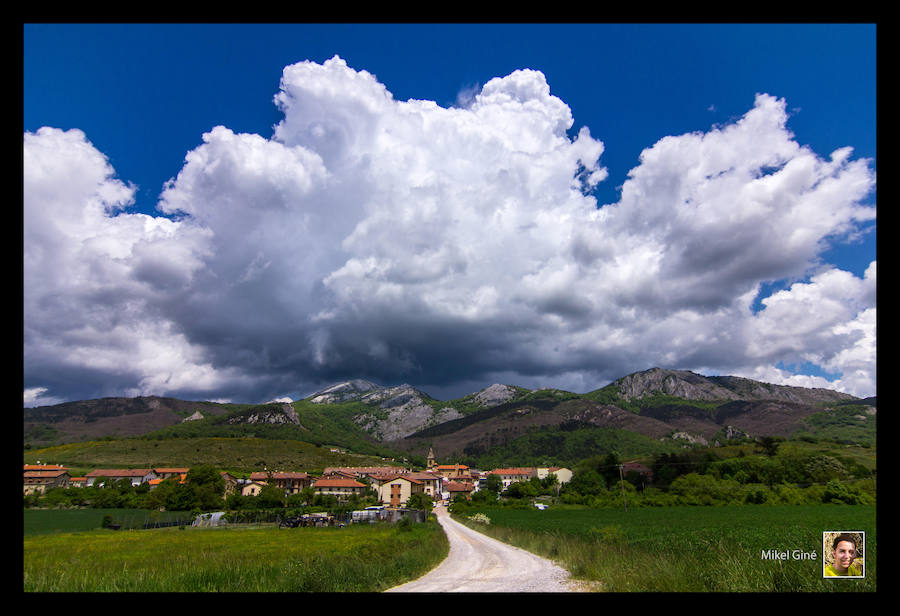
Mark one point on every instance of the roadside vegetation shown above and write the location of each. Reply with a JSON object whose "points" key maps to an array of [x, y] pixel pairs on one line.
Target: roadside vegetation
{"points": [[684, 549]]}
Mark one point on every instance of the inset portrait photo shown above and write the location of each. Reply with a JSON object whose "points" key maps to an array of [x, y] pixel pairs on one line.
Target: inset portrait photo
{"points": [[844, 553]]}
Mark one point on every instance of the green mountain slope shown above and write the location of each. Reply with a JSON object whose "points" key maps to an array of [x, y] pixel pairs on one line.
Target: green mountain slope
{"points": [[651, 411]]}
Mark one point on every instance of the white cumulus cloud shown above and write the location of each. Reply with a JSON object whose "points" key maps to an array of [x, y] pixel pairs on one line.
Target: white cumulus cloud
{"points": [[404, 241]]}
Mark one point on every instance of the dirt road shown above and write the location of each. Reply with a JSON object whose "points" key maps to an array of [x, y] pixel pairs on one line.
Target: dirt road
{"points": [[477, 563]]}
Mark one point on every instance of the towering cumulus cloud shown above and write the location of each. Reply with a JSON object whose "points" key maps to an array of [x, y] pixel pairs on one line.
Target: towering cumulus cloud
{"points": [[403, 241]]}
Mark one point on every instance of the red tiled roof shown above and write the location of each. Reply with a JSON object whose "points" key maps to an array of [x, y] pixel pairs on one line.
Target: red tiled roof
{"points": [[424, 476], [128, 472], [363, 470], [338, 483], [404, 478], [285, 475], [454, 486], [44, 474], [511, 471], [45, 467], [177, 471]]}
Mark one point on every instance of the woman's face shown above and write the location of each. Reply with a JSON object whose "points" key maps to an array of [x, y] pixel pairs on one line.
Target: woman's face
{"points": [[844, 554]]}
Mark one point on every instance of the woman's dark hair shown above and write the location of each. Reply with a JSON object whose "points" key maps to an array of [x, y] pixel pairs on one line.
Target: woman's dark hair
{"points": [[843, 537]]}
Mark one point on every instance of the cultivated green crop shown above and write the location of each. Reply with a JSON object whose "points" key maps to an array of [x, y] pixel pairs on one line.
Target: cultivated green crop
{"points": [[689, 549]]}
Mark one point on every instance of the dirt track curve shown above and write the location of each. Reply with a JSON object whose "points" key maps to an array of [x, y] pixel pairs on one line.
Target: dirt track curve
{"points": [[477, 563]]}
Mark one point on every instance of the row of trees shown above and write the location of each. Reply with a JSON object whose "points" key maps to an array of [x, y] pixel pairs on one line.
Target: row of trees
{"points": [[699, 478], [696, 489]]}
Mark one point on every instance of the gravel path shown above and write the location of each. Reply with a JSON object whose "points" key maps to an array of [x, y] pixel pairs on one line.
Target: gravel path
{"points": [[477, 563]]}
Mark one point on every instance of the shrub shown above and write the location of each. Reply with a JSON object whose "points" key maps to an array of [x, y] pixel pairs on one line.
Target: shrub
{"points": [[839, 493], [480, 518]]}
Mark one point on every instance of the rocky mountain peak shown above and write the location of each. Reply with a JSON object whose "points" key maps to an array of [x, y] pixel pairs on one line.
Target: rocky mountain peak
{"points": [[680, 383], [692, 386], [344, 392], [494, 395], [267, 414]]}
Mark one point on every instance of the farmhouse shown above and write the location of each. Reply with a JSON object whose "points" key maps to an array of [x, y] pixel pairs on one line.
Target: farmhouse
{"points": [[291, 483], [358, 471], [341, 488], [431, 483], [39, 477], [251, 488], [563, 475], [453, 471], [231, 483], [511, 475], [396, 490], [456, 490]]}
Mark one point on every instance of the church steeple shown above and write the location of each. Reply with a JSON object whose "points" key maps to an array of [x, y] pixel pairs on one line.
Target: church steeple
{"points": [[432, 463]]}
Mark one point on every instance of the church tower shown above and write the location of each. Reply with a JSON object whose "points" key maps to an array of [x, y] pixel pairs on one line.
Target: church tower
{"points": [[432, 463]]}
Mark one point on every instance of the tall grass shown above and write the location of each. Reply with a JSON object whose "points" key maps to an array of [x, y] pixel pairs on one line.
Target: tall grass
{"points": [[358, 558], [687, 549]]}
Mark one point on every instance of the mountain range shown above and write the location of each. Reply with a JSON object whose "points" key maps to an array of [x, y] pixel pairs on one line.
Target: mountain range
{"points": [[652, 408]]}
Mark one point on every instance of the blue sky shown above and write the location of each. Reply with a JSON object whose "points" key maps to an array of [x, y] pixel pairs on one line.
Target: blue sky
{"points": [[145, 94]]}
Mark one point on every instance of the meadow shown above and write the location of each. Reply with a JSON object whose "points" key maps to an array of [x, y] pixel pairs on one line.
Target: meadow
{"points": [[239, 455], [46, 521], [259, 558], [688, 549]]}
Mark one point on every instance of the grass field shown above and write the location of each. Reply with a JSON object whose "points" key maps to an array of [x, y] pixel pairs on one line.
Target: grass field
{"points": [[689, 549], [46, 521], [357, 558], [237, 455]]}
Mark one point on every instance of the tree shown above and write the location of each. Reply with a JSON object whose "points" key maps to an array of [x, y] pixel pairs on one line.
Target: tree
{"points": [[207, 476], [521, 489], [235, 501], [586, 482], [159, 497], [550, 482], [307, 494], [770, 444], [483, 496], [609, 468], [106, 499], [181, 497], [494, 484], [420, 501], [270, 496]]}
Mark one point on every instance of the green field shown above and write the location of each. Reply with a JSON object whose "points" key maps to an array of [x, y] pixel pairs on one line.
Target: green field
{"points": [[692, 549], [357, 558], [46, 521], [237, 455]]}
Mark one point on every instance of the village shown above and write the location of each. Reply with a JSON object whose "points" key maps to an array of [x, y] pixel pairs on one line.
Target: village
{"points": [[393, 485]]}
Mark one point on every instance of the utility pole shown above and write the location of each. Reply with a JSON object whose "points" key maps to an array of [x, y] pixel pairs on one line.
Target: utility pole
{"points": [[622, 483]]}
